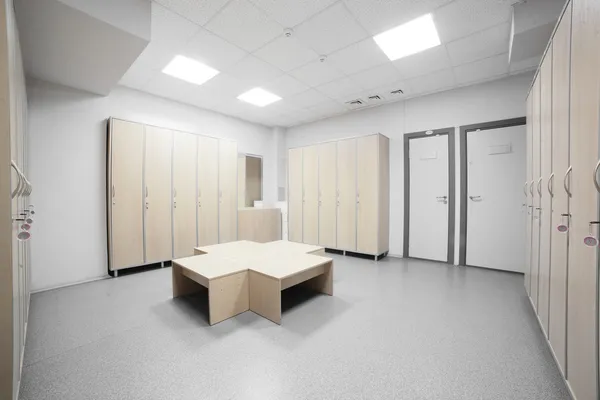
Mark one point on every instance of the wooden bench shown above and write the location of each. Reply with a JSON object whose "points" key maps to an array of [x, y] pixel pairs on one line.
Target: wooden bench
{"points": [[247, 276]]}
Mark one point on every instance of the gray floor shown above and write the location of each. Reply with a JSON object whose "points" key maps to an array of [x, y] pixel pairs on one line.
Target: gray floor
{"points": [[397, 329]]}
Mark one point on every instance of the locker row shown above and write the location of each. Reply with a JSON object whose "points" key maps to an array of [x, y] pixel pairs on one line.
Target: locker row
{"points": [[562, 198], [338, 195], [168, 192]]}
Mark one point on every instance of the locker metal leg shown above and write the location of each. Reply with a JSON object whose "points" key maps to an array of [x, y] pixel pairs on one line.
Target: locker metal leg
{"points": [[116, 274]]}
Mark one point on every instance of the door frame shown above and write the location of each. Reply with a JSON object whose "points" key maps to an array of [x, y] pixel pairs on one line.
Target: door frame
{"points": [[450, 132], [505, 123]]}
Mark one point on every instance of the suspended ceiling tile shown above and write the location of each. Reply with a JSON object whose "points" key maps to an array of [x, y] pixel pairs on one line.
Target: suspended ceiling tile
{"points": [[244, 25], [199, 12], [167, 86], [327, 108], [380, 15], [290, 13], [307, 99], [169, 28], [286, 53], [339, 88], [465, 17], [358, 57], [492, 67], [433, 82], [316, 73], [253, 70], [213, 51], [479, 45], [285, 86], [330, 30], [423, 63], [377, 77]]}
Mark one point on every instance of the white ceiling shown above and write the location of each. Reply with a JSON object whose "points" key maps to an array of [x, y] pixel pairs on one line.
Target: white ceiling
{"points": [[244, 40]]}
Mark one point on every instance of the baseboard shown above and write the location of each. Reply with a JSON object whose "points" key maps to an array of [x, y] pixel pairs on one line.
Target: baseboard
{"points": [[395, 255], [70, 284], [551, 350]]}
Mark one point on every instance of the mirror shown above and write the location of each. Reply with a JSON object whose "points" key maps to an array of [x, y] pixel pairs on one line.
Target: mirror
{"points": [[250, 180]]}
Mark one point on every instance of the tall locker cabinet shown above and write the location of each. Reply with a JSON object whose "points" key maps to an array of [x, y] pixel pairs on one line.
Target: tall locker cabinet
{"points": [[545, 190], [295, 191], [125, 194], [208, 191], [228, 184], [184, 194], [535, 189], [582, 313], [528, 195], [346, 189], [561, 72], [310, 196], [327, 194], [157, 192]]}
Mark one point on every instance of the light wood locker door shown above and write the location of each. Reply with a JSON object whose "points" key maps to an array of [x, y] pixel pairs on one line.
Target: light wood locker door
{"points": [[582, 312], [528, 195], [241, 181], [310, 200], [561, 69], [535, 189], [208, 191], [295, 195], [228, 200], [327, 194], [157, 178], [126, 195], [367, 180], [383, 192], [184, 194], [346, 181], [545, 213]]}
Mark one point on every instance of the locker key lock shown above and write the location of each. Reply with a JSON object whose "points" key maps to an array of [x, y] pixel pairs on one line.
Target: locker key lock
{"points": [[563, 227], [591, 240]]}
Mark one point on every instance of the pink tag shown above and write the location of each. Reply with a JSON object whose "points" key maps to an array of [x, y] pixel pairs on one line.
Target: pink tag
{"points": [[590, 241], [562, 228]]}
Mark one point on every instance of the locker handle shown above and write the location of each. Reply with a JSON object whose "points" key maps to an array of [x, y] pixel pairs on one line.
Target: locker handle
{"points": [[539, 186], [565, 180], [596, 176], [551, 185], [531, 188], [146, 191], [525, 188], [113, 191]]}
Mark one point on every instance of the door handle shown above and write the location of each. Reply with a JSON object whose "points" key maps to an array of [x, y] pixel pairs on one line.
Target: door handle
{"points": [[531, 188], [551, 185], [539, 186], [146, 191], [442, 199], [475, 198], [525, 188], [565, 180], [113, 191], [596, 176]]}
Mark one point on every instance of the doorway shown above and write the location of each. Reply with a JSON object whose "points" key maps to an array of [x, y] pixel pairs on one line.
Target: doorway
{"points": [[250, 180], [429, 195], [492, 231]]}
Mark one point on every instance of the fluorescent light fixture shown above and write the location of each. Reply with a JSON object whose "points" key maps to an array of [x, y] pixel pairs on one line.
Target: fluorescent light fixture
{"points": [[259, 97], [411, 38], [189, 70]]}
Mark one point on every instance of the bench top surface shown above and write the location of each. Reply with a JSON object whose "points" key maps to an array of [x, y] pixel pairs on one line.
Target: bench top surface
{"points": [[278, 259]]}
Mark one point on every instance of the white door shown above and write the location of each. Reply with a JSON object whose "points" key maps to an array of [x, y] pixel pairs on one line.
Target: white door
{"points": [[496, 218], [428, 223]]}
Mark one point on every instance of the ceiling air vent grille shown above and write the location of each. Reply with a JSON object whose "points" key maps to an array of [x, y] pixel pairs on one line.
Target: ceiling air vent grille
{"points": [[398, 91], [375, 97], [357, 102]]}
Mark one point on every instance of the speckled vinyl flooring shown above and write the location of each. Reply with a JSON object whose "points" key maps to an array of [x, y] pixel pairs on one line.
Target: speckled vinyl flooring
{"points": [[396, 329]]}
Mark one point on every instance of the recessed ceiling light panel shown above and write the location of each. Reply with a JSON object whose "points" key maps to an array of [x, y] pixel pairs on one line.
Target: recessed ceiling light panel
{"points": [[259, 97], [189, 70], [413, 37]]}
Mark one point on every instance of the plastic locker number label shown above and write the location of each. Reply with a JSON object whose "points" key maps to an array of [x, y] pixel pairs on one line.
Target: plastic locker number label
{"points": [[562, 228], [590, 241]]}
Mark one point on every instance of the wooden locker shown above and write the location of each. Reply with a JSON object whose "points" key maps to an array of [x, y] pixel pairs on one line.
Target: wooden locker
{"points": [[367, 194], [528, 195], [228, 200], [310, 201], [545, 214], [561, 70], [184, 194], [295, 195], [346, 183], [582, 311], [208, 191], [157, 179], [327, 194], [126, 200], [535, 190], [383, 192]]}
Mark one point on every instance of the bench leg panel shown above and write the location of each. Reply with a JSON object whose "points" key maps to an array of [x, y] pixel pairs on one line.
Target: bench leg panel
{"points": [[322, 283], [265, 296], [182, 285], [227, 297]]}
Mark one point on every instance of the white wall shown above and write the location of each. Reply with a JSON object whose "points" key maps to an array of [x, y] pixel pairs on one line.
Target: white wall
{"points": [[490, 101], [68, 169]]}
